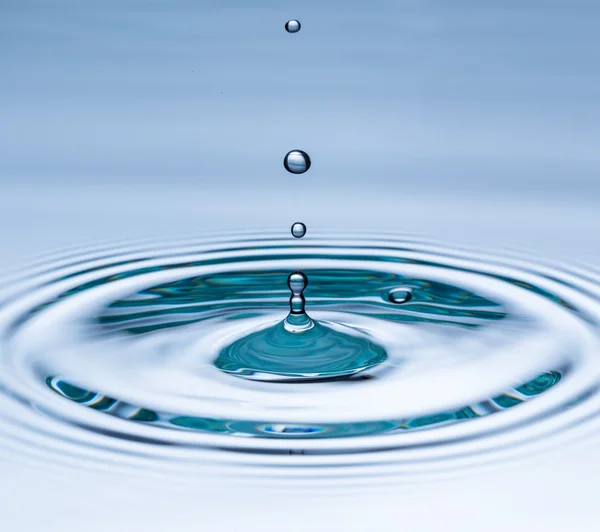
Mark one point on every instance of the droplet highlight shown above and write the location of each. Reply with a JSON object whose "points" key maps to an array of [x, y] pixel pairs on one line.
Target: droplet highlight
{"points": [[297, 162], [400, 295], [298, 230], [293, 26]]}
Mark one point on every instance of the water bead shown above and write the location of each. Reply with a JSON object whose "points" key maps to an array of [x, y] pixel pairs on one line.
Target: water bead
{"points": [[400, 295], [293, 26], [298, 230], [297, 162], [297, 282]]}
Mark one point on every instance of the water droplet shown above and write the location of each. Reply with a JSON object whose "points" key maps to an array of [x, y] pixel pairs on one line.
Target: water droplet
{"points": [[298, 230], [400, 295], [297, 282], [297, 162], [293, 26], [297, 320]]}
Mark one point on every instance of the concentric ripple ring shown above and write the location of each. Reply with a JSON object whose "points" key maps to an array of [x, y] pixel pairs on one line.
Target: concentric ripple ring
{"points": [[107, 356]]}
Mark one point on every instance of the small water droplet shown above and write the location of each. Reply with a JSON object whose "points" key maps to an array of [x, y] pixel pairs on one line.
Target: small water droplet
{"points": [[297, 162], [400, 295], [298, 230], [293, 26]]}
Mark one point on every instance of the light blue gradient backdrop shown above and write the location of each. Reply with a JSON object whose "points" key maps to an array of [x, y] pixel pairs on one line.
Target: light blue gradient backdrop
{"points": [[464, 96]]}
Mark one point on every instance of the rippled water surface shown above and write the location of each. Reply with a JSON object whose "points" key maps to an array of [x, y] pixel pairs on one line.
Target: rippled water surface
{"points": [[138, 359], [126, 351]]}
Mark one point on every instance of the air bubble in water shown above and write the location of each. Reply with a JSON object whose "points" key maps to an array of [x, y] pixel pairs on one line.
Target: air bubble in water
{"points": [[293, 26], [297, 162], [400, 295], [298, 230]]}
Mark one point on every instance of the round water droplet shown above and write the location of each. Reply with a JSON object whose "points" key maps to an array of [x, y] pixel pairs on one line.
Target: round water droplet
{"points": [[400, 295], [293, 26], [297, 282], [297, 162], [298, 230]]}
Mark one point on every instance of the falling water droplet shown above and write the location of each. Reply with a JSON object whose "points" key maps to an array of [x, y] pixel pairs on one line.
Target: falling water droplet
{"points": [[292, 26], [298, 230], [400, 295], [297, 162]]}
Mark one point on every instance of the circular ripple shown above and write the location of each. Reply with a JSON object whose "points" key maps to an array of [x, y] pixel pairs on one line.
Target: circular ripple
{"points": [[108, 357]]}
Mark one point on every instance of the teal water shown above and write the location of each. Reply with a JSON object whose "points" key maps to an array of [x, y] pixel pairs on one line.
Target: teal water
{"points": [[298, 348], [317, 353], [365, 292], [115, 407]]}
